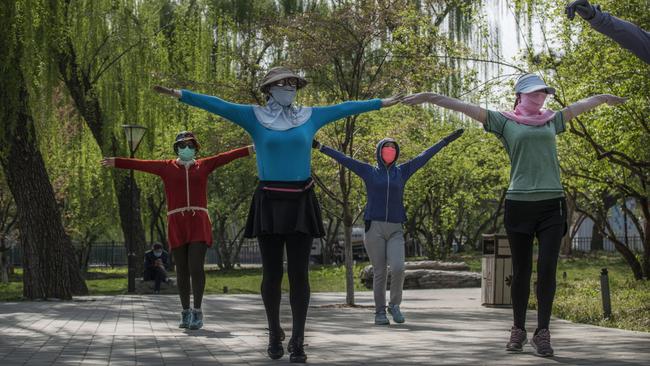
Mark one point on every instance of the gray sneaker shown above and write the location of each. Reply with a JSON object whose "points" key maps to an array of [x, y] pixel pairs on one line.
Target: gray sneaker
{"points": [[381, 319], [518, 337], [186, 318], [197, 319], [398, 317], [542, 343]]}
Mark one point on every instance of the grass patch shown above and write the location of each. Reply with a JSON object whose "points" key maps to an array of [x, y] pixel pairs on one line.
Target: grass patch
{"points": [[578, 296]]}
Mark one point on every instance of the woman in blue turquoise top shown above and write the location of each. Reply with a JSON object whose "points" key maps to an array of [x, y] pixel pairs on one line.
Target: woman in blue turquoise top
{"points": [[284, 209]]}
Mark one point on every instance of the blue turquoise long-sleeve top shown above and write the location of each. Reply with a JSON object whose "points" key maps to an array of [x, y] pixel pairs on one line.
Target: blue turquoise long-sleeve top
{"points": [[281, 155], [385, 184]]}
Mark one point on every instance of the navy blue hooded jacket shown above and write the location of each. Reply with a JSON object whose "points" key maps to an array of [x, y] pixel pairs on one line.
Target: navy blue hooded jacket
{"points": [[385, 184]]}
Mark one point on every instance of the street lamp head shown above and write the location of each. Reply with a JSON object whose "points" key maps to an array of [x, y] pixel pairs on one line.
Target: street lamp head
{"points": [[134, 134]]}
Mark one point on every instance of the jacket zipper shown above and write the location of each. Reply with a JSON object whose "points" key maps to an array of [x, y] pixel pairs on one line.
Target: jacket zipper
{"points": [[187, 184], [387, 193]]}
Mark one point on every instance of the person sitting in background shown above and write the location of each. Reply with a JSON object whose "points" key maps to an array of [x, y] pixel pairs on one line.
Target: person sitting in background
{"points": [[156, 265]]}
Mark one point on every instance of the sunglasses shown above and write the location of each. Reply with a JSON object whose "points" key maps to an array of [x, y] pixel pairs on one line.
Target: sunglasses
{"points": [[289, 81], [184, 144]]}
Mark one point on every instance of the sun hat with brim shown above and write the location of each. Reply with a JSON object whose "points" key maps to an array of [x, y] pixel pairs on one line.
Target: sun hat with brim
{"points": [[186, 136], [279, 73], [529, 83]]}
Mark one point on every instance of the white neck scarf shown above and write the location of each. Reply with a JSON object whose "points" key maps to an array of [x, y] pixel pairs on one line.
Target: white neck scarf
{"points": [[278, 118], [184, 163]]}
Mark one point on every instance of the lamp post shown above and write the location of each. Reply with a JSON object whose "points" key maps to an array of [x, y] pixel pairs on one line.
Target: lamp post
{"points": [[134, 134]]}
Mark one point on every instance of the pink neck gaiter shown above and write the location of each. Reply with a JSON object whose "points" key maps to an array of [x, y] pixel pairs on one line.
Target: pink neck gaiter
{"points": [[388, 154], [529, 110]]}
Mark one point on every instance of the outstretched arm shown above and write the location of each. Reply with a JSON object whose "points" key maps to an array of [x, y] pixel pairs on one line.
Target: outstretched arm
{"points": [[213, 162], [588, 104], [147, 166], [470, 110], [628, 35], [240, 114], [328, 114], [410, 167], [357, 167]]}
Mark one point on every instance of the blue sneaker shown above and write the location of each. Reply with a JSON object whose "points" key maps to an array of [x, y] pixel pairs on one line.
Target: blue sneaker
{"points": [[381, 319], [197, 319], [396, 313], [186, 318]]}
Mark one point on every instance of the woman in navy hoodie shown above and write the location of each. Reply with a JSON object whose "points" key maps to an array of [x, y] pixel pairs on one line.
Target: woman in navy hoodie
{"points": [[385, 213]]}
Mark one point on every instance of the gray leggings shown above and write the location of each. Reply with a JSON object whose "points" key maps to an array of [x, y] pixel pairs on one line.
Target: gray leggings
{"points": [[189, 260], [384, 242]]}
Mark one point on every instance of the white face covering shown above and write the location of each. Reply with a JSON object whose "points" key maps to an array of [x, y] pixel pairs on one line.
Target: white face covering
{"points": [[279, 113], [157, 253], [284, 95]]}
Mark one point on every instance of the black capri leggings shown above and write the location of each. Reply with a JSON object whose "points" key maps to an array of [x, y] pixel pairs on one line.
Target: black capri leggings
{"points": [[189, 259], [525, 220], [298, 250]]}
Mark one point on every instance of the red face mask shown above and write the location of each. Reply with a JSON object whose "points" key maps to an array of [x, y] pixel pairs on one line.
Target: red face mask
{"points": [[388, 154]]}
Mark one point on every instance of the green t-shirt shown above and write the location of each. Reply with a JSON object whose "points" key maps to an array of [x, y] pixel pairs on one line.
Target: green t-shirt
{"points": [[534, 166]]}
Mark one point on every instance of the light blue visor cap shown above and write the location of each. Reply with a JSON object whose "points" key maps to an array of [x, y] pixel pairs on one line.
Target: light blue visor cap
{"points": [[529, 83]]}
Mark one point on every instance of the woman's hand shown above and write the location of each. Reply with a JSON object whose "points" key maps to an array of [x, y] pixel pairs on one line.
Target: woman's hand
{"points": [[167, 91], [391, 101], [108, 162], [419, 98], [613, 99]]}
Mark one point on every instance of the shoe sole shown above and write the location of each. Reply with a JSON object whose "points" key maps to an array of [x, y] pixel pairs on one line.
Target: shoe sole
{"points": [[275, 357], [195, 327], [298, 359], [517, 350], [386, 323], [540, 354]]}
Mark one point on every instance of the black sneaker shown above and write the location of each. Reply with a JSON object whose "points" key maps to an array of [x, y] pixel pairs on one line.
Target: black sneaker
{"points": [[275, 349], [296, 349], [518, 337], [542, 343]]}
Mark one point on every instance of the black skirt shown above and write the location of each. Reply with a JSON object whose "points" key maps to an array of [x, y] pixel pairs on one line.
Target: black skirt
{"points": [[530, 217], [284, 208]]}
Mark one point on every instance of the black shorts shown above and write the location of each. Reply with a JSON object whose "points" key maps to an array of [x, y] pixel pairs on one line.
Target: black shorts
{"points": [[529, 217]]}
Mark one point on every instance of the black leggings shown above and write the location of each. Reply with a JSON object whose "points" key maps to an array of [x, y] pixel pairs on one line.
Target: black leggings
{"points": [[189, 259], [298, 250], [545, 220]]}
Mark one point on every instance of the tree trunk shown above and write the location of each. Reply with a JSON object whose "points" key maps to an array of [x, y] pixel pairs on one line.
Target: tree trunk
{"points": [[565, 247], [349, 261], [49, 263]]}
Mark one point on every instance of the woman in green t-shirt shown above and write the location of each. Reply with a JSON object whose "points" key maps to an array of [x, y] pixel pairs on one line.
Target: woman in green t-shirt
{"points": [[535, 203]]}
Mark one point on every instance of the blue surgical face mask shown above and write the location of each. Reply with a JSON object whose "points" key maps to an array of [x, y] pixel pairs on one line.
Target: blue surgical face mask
{"points": [[284, 95], [157, 253], [186, 153]]}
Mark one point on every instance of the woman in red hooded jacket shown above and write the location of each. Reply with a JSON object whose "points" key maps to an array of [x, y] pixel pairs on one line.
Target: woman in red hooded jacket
{"points": [[189, 229]]}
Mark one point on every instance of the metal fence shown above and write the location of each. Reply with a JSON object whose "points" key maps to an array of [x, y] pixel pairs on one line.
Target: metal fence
{"points": [[583, 244], [113, 254]]}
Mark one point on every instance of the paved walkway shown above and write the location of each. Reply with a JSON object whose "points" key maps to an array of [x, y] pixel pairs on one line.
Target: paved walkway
{"points": [[443, 327]]}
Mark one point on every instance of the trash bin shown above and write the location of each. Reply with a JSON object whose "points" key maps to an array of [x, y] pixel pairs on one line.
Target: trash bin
{"points": [[497, 271]]}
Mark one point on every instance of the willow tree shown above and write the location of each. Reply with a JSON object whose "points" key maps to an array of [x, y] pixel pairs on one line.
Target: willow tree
{"points": [[89, 44], [50, 268]]}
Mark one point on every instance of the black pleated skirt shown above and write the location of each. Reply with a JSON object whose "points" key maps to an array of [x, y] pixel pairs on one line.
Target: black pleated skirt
{"points": [[284, 208]]}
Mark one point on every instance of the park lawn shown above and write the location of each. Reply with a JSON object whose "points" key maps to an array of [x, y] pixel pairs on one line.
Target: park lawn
{"points": [[577, 297], [112, 281]]}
